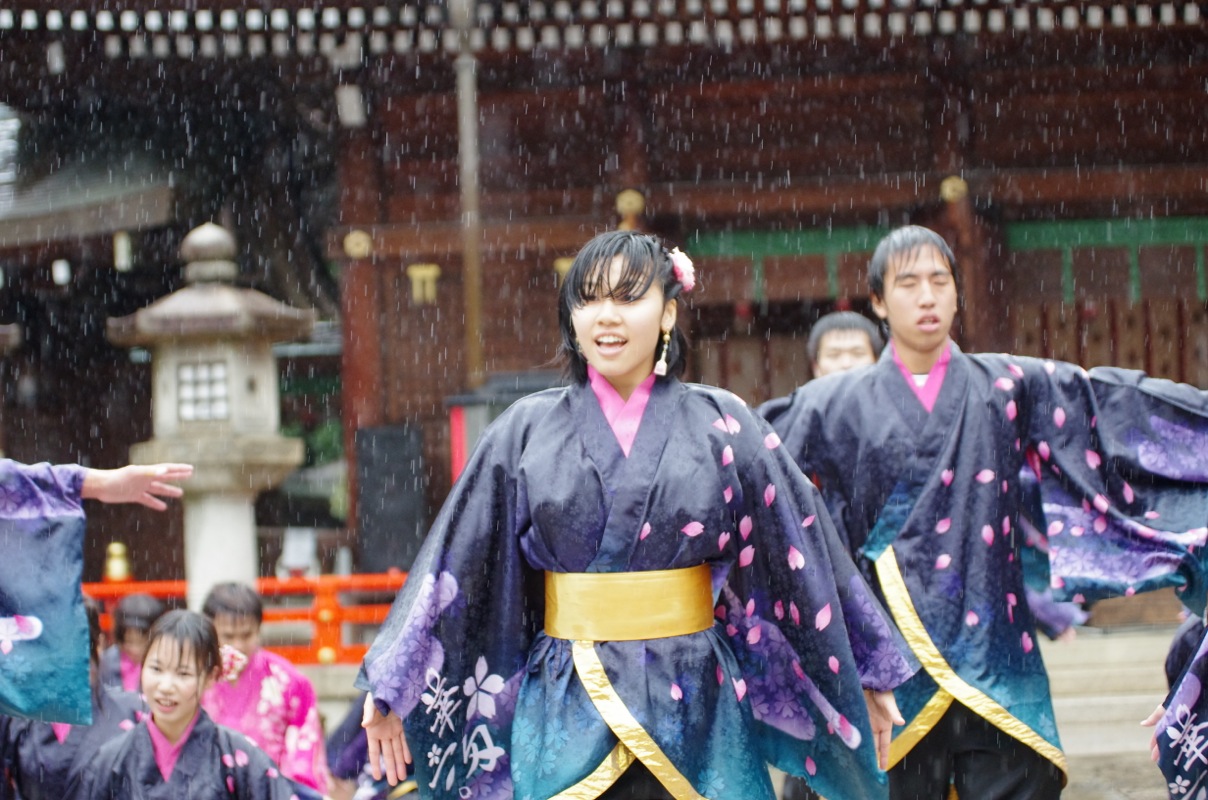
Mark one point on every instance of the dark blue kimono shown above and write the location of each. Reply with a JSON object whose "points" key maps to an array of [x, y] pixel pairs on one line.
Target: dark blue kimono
{"points": [[930, 506], [495, 708], [215, 763], [38, 766], [43, 627]]}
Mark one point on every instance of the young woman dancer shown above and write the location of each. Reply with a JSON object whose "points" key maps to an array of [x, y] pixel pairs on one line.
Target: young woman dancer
{"points": [[178, 752], [632, 592]]}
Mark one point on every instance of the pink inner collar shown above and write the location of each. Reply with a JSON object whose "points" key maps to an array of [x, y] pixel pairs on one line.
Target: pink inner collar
{"points": [[166, 753], [624, 416], [930, 390], [61, 730], [131, 672]]}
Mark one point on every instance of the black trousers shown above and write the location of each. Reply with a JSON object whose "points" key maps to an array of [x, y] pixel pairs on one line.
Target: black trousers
{"points": [[637, 783], [797, 789], [982, 762]]}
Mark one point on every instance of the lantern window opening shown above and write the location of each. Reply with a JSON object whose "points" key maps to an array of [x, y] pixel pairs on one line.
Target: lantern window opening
{"points": [[202, 391]]}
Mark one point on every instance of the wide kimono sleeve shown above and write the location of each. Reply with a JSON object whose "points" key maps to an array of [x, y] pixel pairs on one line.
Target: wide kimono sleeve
{"points": [[304, 758], [806, 628], [43, 627], [1124, 476], [451, 653]]}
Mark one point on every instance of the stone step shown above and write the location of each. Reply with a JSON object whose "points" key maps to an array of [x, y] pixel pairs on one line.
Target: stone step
{"points": [[1107, 678]]}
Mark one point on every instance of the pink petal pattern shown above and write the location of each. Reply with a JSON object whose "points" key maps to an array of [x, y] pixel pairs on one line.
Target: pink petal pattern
{"points": [[771, 441], [1152, 515], [720, 424], [754, 635], [727, 456], [811, 768], [1006, 384], [808, 521], [943, 561], [676, 692], [1100, 524], [720, 677], [943, 525], [728, 494], [794, 613], [1050, 367], [1092, 459], [833, 663], [946, 476], [769, 494], [823, 618], [1006, 525], [1056, 527], [693, 529], [985, 476], [1059, 416], [1026, 641], [645, 531], [740, 688], [1043, 450], [778, 609], [1012, 410], [749, 608], [987, 534], [1015, 370], [796, 560], [1127, 490], [744, 528], [746, 556], [972, 619], [1102, 504], [723, 540]]}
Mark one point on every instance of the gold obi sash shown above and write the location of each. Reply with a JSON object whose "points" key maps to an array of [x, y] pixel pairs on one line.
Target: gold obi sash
{"points": [[626, 606]]}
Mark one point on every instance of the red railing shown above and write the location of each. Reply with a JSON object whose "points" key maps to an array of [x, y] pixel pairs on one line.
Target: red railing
{"points": [[327, 614]]}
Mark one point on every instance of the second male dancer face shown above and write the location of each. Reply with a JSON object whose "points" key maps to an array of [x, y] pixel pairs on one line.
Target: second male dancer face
{"points": [[919, 304]]}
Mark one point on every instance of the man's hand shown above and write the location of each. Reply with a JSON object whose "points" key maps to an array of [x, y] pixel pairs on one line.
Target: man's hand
{"points": [[136, 484], [387, 744], [883, 714]]}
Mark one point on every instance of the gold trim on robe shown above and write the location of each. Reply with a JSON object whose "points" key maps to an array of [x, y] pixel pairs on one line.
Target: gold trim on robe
{"points": [[622, 723], [628, 606], [917, 728], [897, 597]]}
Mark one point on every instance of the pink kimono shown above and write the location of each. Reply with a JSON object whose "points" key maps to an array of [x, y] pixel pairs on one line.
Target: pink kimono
{"points": [[274, 705]]}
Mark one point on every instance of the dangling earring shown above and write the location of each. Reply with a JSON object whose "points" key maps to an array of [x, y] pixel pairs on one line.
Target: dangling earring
{"points": [[660, 367]]}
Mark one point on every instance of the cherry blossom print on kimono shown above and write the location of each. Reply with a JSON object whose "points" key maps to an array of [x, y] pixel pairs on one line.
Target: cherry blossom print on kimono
{"points": [[275, 705], [1182, 733], [215, 763], [495, 708], [43, 626], [930, 504]]}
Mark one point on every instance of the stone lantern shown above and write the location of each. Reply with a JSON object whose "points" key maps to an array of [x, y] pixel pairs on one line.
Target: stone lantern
{"points": [[215, 403]]}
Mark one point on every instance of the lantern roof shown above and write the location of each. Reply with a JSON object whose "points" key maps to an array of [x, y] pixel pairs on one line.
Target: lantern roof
{"points": [[210, 307]]}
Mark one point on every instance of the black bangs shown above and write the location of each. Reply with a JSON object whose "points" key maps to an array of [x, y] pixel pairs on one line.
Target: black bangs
{"points": [[590, 277]]}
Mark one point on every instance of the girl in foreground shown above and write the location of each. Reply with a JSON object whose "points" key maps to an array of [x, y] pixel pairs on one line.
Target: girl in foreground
{"points": [[179, 752], [632, 591]]}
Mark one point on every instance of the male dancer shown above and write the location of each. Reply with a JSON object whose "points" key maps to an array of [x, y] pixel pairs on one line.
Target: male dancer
{"points": [[919, 460], [838, 342]]}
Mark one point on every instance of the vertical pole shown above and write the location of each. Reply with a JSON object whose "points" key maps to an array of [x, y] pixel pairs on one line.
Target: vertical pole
{"points": [[461, 12]]}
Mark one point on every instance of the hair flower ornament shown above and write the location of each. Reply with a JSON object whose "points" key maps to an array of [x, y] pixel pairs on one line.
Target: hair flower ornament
{"points": [[233, 662], [685, 273]]}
